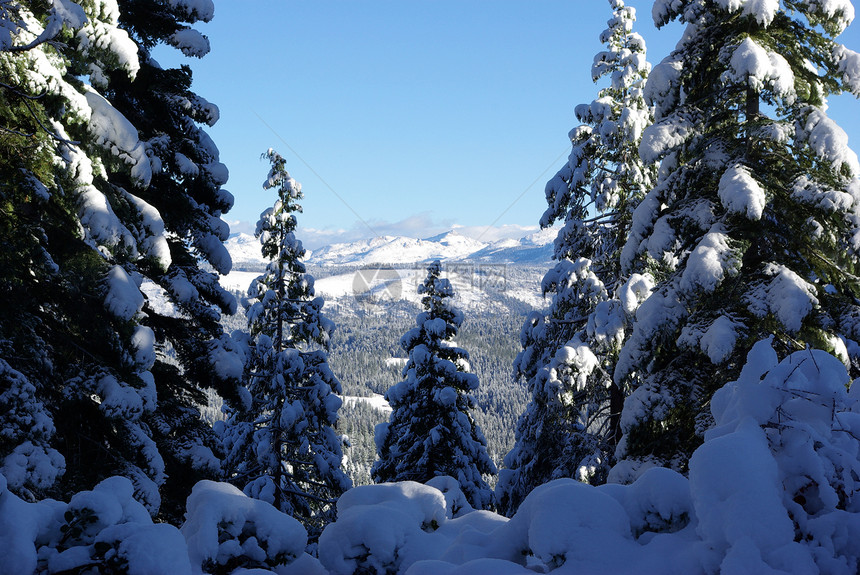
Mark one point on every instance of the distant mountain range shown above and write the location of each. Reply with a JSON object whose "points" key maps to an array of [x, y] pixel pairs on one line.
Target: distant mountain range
{"points": [[533, 249], [500, 276]]}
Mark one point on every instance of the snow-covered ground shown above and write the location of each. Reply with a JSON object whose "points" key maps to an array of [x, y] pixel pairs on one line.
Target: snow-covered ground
{"points": [[376, 401], [475, 288], [773, 489], [239, 280]]}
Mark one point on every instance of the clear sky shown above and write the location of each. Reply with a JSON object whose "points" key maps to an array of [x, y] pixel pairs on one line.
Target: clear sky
{"points": [[409, 116]]}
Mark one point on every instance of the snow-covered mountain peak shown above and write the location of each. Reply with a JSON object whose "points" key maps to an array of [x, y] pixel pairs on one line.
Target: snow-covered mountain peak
{"points": [[486, 274], [506, 243], [245, 250], [541, 237], [450, 246], [453, 237]]}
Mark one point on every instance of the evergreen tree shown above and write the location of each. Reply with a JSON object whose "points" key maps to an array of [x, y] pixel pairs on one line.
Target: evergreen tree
{"points": [[571, 425], [91, 211], [431, 431], [754, 222], [75, 337], [186, 192], [282, 447], [28, 452]]}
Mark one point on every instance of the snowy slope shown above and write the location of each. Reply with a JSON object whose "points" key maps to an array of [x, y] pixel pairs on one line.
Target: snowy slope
{"points": [[471, 294], [396, 250], [487, 276], [375, 401], [239, 281], [245, 251], [522, 285], [535, 248]]}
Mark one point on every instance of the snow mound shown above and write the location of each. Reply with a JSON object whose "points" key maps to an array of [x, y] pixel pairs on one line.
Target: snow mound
{"points": [[97, 531], [772, 490], [225, 527]]}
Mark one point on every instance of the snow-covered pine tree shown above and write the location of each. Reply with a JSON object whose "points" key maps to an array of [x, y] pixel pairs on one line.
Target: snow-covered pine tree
{"points": [[754, 223], [431, 431], [177, 219], [28, 455], [571, 425], [97, 158], [75, 339], [282, 447]]}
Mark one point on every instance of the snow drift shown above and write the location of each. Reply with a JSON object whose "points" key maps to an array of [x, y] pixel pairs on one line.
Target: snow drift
{"points": [[773, 489]]}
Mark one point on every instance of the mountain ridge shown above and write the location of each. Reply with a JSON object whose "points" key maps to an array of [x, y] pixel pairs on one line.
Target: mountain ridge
{"points": [[450, 246]]}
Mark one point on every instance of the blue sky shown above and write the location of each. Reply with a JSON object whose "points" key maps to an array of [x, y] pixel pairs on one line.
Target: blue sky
{"points": [[409, 117]]}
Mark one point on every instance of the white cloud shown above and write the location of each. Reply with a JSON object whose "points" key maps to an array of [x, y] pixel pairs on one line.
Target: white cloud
{"points": [[495, 233]]}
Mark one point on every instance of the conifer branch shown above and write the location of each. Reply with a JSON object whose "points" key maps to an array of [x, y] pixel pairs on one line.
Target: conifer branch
{"points": [[27, 99]]}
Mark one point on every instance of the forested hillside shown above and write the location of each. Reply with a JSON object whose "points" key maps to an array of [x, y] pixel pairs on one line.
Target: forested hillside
{"points": [[367, 358]]}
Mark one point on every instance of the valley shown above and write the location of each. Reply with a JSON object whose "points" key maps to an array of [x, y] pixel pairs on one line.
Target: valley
{"points": [[373, 304]]}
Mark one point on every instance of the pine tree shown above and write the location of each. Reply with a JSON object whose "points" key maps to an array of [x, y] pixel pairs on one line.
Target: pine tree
{"points": [[75, 337], [93, 206], [28, 452], [571, 425], [187, 195], [282, 447], [753, 225], [431, 431]]}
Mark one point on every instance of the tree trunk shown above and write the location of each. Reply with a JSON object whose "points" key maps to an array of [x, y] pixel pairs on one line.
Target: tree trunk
{"points": [[751, 113], [616, 404], [278, 472]]}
